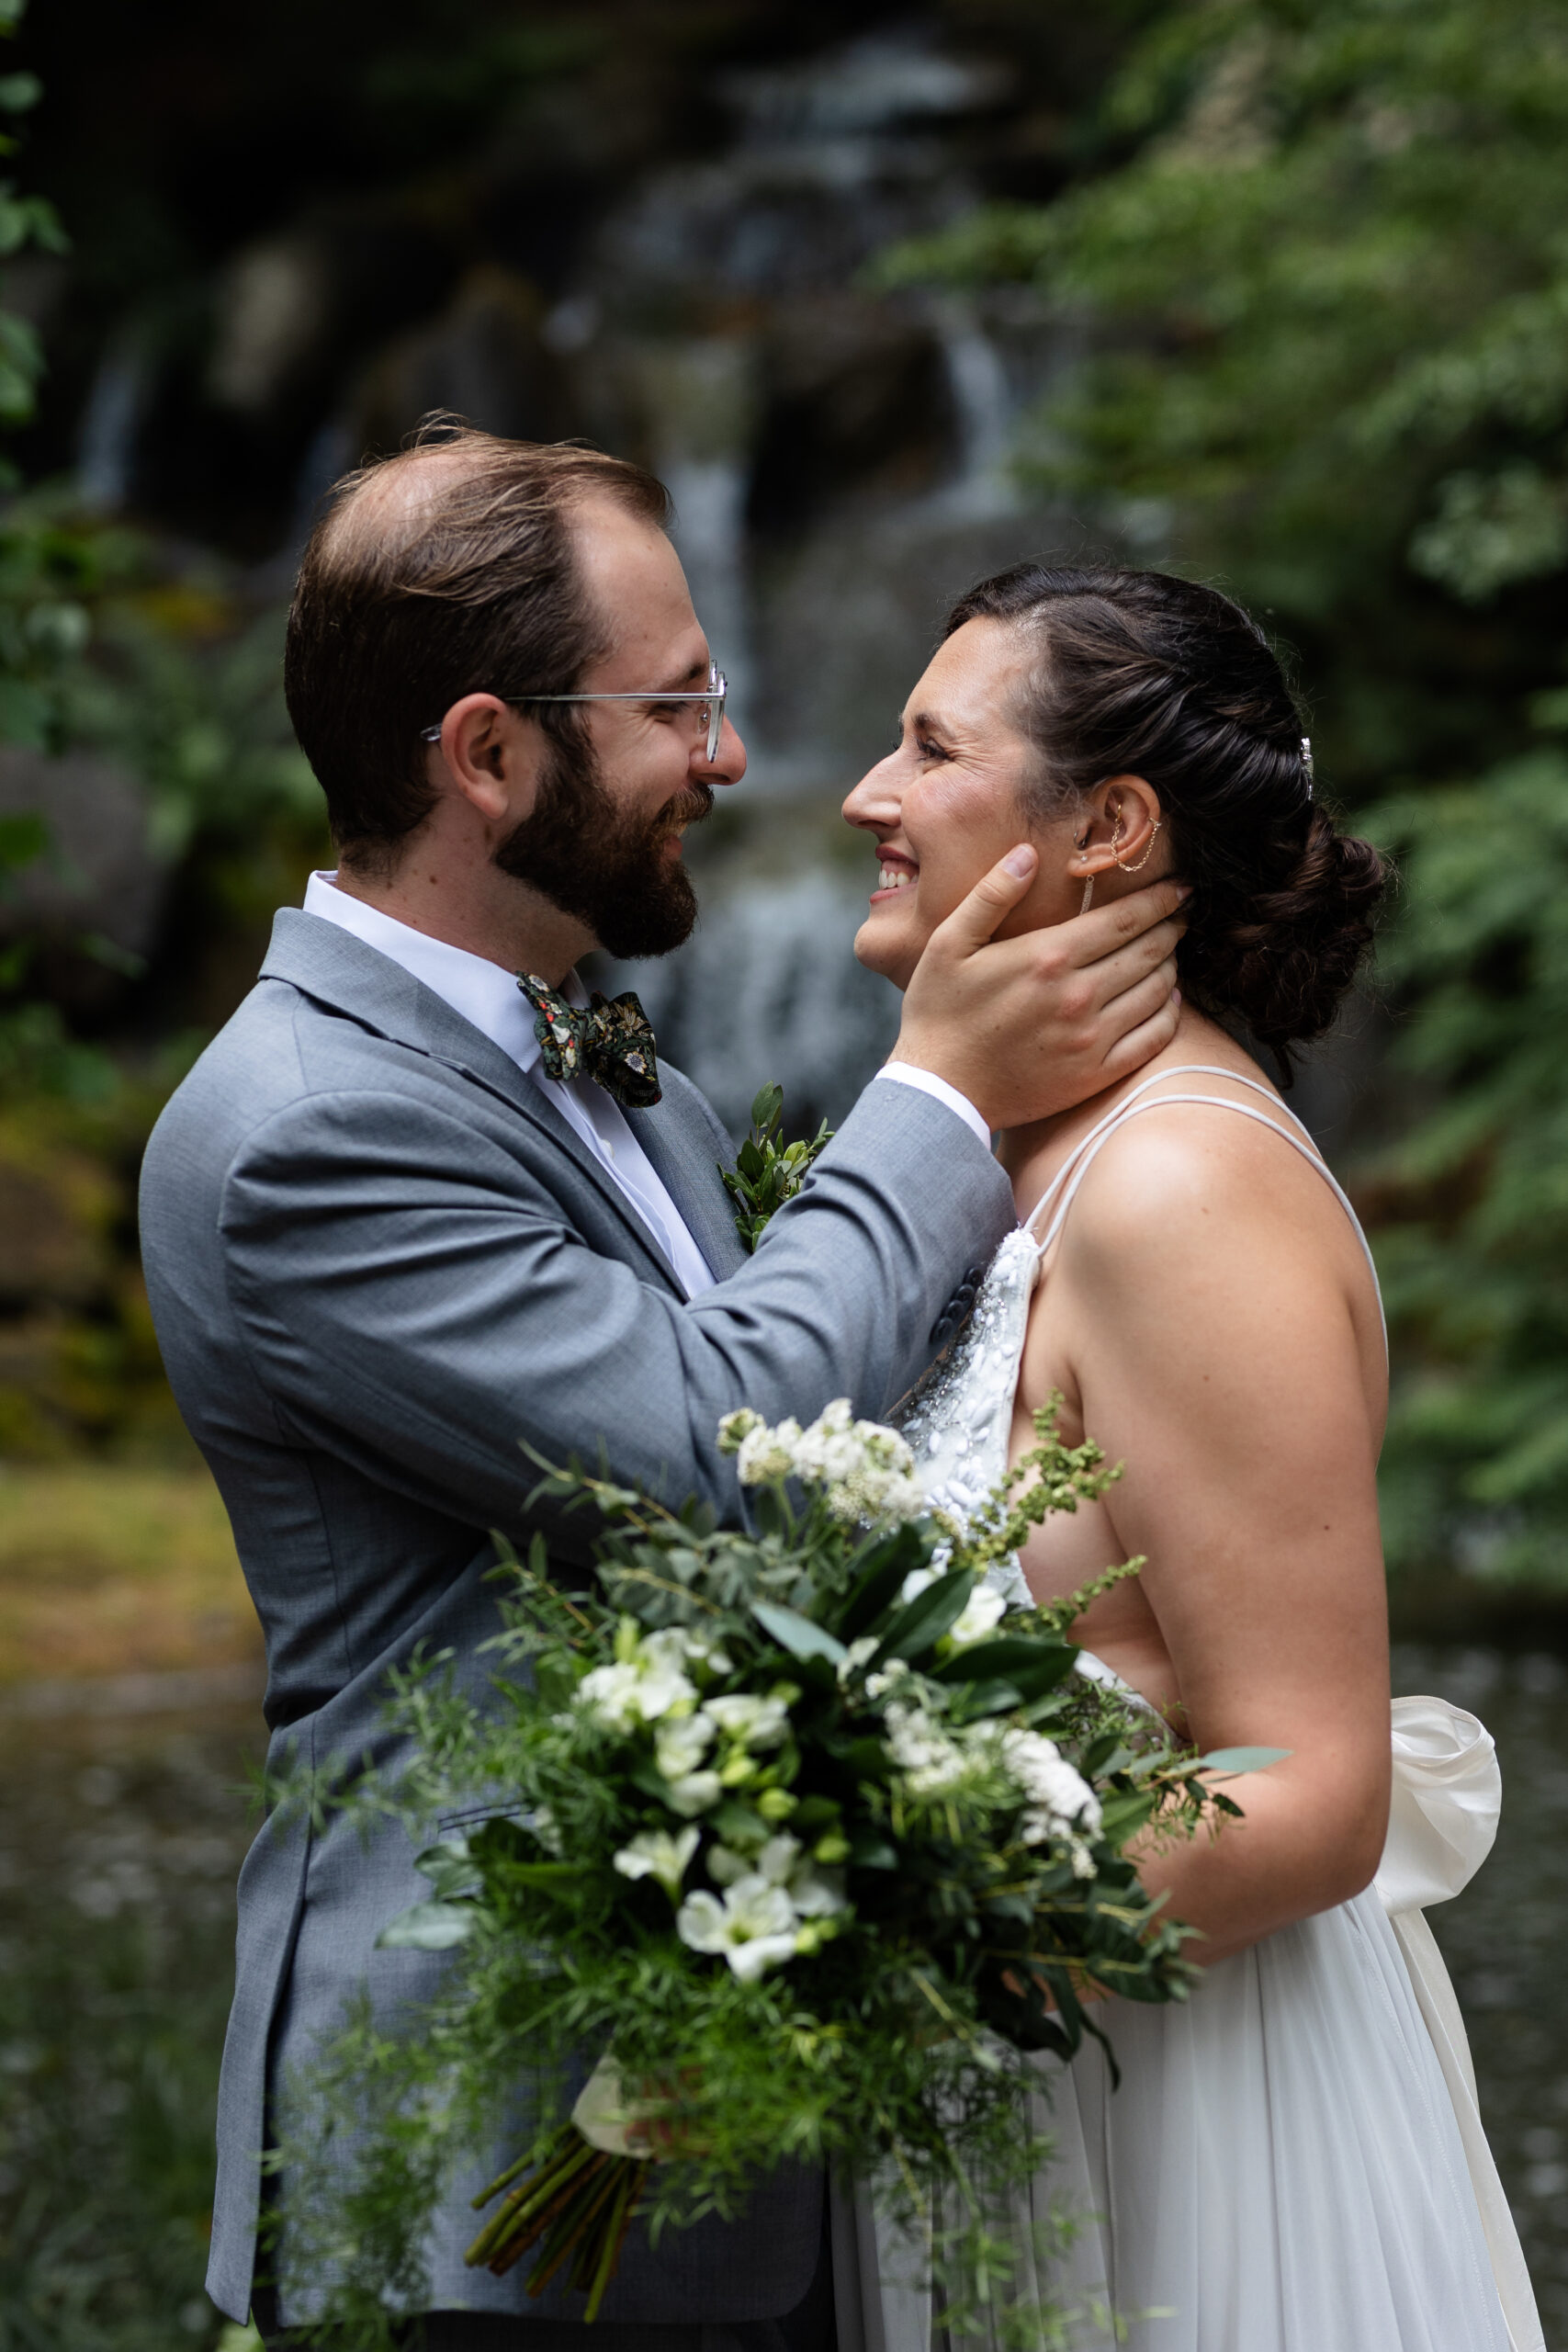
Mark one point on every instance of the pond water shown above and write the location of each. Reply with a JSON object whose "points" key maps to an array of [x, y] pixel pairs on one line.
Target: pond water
{"points": [[120, 1838]]}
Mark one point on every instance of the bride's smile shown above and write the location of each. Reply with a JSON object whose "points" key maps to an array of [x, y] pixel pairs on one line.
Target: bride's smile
{"points": [[954, 795]]}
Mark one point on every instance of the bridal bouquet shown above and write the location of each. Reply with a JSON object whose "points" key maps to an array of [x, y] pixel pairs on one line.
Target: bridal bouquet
{"points": [[797, 1830]]}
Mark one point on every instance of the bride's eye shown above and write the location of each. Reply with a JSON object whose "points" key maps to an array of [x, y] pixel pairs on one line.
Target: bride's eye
{"points": [[928, 750]]}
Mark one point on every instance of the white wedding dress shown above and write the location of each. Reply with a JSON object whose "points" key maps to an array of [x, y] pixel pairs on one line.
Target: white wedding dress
{"points": [[1295, 2161]]}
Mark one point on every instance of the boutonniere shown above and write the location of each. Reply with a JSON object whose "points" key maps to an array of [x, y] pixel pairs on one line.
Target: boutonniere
{"points": [[767, 1172]]}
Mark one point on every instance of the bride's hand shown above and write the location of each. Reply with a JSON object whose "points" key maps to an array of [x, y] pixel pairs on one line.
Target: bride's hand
{"points": [[1027, 1028]]}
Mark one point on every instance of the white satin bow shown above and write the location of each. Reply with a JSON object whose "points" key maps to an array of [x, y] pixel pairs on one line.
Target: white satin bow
{"points": [[1448, 1793], [1442, 1820]]}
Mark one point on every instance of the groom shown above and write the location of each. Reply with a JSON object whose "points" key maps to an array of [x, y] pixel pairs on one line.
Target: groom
{"points": [[389, 1233]]}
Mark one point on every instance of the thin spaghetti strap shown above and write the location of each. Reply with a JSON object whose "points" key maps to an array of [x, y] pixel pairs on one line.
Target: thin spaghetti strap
{"points": [[1084, 1160], [1111, 1118]]}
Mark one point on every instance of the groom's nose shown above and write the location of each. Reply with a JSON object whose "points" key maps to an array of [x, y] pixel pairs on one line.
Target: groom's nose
{"points": [[728, 765]]}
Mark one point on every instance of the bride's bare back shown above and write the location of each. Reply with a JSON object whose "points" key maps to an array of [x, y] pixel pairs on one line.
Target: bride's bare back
{"points": [[1209, 1317]]}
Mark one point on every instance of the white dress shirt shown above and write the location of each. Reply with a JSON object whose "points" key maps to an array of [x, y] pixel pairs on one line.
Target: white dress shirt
{"points": [[488, 997]]}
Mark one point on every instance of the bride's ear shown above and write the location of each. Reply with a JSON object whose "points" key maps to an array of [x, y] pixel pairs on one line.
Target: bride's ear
{"points": [[1118, 825]]}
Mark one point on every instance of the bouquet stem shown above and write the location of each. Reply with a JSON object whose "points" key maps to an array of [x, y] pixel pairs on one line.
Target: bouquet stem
{"points": [[578, 2201]]}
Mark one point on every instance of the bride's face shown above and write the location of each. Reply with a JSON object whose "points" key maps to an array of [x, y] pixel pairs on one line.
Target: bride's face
{"points": [[948, 803]]}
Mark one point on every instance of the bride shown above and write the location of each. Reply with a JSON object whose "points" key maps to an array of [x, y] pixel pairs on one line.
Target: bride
{"points": [[1293, 2162]]}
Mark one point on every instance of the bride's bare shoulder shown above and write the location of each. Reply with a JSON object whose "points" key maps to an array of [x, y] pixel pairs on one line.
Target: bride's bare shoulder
{"points": [[1210, 1187]]}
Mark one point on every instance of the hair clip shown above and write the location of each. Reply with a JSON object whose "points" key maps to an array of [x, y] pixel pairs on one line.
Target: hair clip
{"points": [[1306, 761]]}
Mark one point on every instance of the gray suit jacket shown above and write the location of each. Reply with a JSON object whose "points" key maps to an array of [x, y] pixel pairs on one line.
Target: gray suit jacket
{"points": [[377, 1258]]}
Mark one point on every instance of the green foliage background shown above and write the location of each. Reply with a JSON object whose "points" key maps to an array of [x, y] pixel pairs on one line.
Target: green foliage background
{"points": [[1321, 305]]}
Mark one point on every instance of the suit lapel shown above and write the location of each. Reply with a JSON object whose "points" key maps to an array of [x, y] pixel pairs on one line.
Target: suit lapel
{"points": [[340, 970], [678, 1139]]}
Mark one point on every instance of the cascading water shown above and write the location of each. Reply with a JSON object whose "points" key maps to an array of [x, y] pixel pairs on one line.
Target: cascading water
{"points": [[839, 464]]}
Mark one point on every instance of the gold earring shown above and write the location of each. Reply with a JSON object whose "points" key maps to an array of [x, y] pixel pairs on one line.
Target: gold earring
{"points": [[1147, 853]]}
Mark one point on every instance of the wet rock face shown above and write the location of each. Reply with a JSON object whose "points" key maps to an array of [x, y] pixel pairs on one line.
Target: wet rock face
{"points": [[101, 879]]}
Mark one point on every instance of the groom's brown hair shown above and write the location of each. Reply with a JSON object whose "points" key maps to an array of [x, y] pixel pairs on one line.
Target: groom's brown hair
{"points": [[446, 570]]}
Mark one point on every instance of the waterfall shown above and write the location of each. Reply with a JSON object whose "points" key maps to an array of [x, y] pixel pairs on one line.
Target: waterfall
{"points": [[106, 451], [768, 988]]}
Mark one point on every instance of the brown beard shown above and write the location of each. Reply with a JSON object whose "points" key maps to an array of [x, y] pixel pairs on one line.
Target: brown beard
{"points": [[592, 859]]}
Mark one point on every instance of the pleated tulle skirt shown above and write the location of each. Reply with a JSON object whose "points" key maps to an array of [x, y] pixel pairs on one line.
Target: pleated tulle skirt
{"points": [[1279, 2171]]}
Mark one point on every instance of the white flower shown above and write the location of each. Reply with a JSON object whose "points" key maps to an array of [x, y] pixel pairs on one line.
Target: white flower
{"points": [[981, 1614], [655, 1854], [879, 1685], [701, 1651], [866, 1470], [915, 1583], [767, 1454], [1060, 1799], [932, 1763], [693, 1792], [681, 1741], [831, 1448], [751, 1720], [753, 1927], [645, 1683], [817, 1894], [855, 1656], [814, 1894], [725, 1865]]}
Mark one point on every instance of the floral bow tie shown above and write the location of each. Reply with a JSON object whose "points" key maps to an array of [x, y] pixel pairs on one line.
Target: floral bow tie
{"points": [[611, 1043]]}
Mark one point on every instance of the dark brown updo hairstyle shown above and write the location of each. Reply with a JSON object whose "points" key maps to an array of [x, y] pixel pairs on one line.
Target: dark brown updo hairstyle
{"points": [[1143, 675]]}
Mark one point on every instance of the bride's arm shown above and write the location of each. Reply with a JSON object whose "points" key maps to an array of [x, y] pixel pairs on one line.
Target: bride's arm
{"points": [[1204, 1294]]}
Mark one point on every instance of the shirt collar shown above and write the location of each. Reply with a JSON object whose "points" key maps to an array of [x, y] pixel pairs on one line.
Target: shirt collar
{"points": [[485, 994]]}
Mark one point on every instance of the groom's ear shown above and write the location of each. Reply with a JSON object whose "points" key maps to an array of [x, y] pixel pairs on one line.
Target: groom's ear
{"points": [[1117, 824], [489, 756]]}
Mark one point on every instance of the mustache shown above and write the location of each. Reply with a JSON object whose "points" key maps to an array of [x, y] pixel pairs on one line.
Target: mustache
{"points": [[687, 807]]}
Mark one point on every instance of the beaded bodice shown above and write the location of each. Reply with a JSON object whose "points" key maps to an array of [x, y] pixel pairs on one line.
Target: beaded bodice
{"points": [[958, 1419]]}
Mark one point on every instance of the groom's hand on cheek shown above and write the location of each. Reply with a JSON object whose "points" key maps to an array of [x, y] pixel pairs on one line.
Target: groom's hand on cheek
{"points": [[1026, 1027]]}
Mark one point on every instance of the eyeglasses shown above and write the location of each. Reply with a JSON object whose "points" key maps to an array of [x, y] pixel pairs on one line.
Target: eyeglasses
{"points": [[713, 695]]}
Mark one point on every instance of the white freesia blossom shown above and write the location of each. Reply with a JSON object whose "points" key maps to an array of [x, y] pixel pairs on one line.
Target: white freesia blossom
{"points": [[681, 1741], [814, 1892], [932, 1764], [915, 1583], [1060, 1799], [693, 1792], [753, 1927], [655, 1854], [980, 1615], [646, 1682], [817, 1894], [751, 1720]]}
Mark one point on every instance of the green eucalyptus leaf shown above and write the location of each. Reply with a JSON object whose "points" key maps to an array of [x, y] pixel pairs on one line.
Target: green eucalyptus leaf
{"points": [[428, 1927], [802, 1637], [450, 1868], [921, 1623], [884, 1564]]}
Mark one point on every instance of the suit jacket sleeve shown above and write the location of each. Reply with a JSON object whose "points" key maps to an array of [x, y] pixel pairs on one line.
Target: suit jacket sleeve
{"points": [[415, 1301]]}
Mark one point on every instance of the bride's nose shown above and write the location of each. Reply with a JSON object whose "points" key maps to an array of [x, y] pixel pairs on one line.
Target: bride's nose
{"points": [[875, 800]]}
